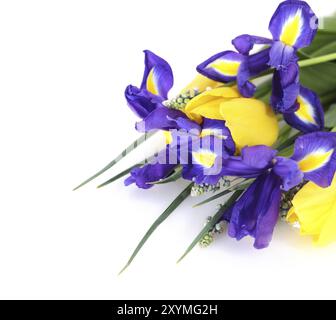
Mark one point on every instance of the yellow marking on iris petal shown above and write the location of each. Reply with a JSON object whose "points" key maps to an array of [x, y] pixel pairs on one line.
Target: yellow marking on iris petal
{"points": [[168, 137], [315, 160], [292, 29], [305, 111], [212, 132], [205, 158], [151, 84], [226, 67]]}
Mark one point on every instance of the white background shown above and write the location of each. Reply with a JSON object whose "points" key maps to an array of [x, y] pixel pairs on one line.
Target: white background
{"points": [[63, 69]]}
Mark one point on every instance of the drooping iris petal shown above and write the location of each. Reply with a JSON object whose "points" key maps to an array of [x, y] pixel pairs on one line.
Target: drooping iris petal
{"points": [[222, 67], [245, 43], [315, 154], [282, 55], [218, 129], [286, 89], [294, 23], [208, 103], [314, 208], [252, 66], [255, 214], [163, 118], [310, 115], [141, 102], [158, 77], [253, 162], [143, 177], [289, 172], [250, 121]]}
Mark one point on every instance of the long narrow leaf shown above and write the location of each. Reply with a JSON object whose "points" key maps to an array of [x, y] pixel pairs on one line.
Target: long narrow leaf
{"points": [[118, 176], [212, 223], [183, 195], [122, 155], [177, 174], [240, 186]]}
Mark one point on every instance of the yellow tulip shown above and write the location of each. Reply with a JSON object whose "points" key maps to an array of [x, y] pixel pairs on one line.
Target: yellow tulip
{"points": [[201, 84], [314, 208], [250, 121]]}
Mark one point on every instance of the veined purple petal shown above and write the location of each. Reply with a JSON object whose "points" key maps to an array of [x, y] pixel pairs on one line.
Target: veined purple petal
{"points": [[158, 77], [163, 118], [141, 102], [315, 154], [294, 23], [281, 55], [245, 43], [222, 67], [286, 89], [289, 172], [310, 115], [256, 213], [253, 162]]}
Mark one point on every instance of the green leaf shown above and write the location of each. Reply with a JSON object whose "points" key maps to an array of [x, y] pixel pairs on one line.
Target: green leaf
{"points": [[322, 39], [183, 195], [330, 117], [326, 49], [240, 186], [319, 78], [122, 155], [263, 89], [212, 223], [177, 174], [119, 175], [330, 23]]}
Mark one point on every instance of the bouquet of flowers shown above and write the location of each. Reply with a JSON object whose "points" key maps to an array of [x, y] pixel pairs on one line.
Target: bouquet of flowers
{"points": [[256, 129]]}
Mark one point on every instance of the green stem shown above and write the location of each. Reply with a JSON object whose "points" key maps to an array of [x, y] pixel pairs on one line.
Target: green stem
{"points": [[317, 60]]}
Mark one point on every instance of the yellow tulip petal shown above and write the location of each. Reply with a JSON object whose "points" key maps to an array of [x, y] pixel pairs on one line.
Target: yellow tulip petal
{"points": [[208, 103], [250, 121], [200, 84], [315, 209]]}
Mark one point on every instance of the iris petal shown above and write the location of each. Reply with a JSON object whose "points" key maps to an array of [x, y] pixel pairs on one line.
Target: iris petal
{"points": [[286, 89], [222, 67], [310, 115], [255, 214], [316, 157], [158, 77], [294, 23], [245, 43]]}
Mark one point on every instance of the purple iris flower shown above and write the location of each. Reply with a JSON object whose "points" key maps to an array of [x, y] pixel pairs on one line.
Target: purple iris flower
{"points": [[293, 26], [256, 212]]}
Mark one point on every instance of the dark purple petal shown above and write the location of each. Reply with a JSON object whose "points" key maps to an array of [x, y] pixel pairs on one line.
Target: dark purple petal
{"points": [[158, 77], [141, 102], [315, 154], [289, 172], [310, 115], [303, 21], [256, 213], [286, 89], [245, 43]]}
